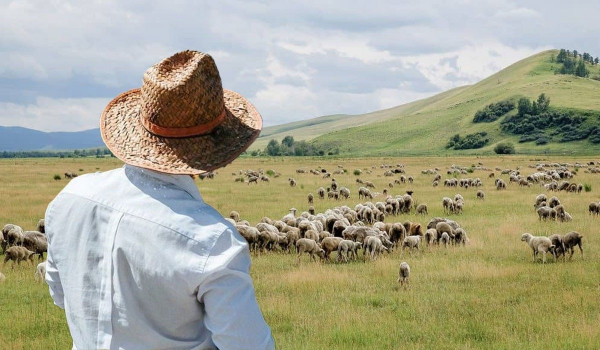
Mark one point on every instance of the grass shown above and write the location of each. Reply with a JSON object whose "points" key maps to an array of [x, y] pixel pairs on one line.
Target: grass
{"points": [[424, 127], [487, 295]]}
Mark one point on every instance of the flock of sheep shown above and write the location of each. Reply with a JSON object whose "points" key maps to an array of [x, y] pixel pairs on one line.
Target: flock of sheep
{"points": [[18, 245], [369, 225]]}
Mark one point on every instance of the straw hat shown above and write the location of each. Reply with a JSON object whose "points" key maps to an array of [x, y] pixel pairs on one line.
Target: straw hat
{"points": [[181, 121]]}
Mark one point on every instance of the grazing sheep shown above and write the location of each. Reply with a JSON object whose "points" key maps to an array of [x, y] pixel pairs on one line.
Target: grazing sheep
{"points": [[572, 239], [41, 226], [40, 272], [252, 179], [311, 234], [321, 192], [329, 244], [346, 248], [559, 246], [421, 209], [445, 239], [18, 254], [460, 236], [250, 234], [430, 236], [292, 182], [545, 213], [14, 236], [594, 208], [373, 246], [480, 195], [539, 244], [403, 274], [444, 227], [411, 242], [234, 215], [36, 242], [448, 205], [311, 247], [311, 198]]}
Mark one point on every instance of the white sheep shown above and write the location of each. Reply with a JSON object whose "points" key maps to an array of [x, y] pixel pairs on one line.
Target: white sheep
{"points": [[539, 244], [411, 242], [40, 272], [445, 239], [403, 273]]}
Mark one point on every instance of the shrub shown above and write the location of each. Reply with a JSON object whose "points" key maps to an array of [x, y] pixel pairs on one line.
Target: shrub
{"points": [[493, 111], [587, 187], [504, 148], [270, 172], [57, 177], [80, 169], [470, 141], [357, 172]]}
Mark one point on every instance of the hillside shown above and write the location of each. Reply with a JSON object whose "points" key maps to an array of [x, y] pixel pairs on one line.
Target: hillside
{"points": [[311, 128], [424, 127], [13, 138]]}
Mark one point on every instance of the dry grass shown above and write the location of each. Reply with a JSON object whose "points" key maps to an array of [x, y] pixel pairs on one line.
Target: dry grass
{"points": [[485, 295]]}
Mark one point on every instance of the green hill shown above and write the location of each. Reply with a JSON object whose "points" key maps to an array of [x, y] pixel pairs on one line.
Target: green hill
{"points": [[424, 127]]}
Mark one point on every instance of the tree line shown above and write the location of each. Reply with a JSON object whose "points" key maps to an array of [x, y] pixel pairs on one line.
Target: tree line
{"points": [[96, 152], [292, 148], [573, 62]]}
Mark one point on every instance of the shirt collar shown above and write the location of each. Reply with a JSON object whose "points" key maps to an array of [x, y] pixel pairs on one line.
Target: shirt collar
{"points": [[185, 182]]}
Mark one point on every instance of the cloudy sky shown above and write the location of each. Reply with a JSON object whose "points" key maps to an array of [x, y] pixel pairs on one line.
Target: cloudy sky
{"points": [[61, 61]]}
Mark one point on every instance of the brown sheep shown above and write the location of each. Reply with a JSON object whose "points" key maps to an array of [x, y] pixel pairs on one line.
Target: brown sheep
{"points": [[311, 198], [442, 227], [18, 254], [311, 247], [572, 239], [422, 209], [330, 244], [594, 208]]}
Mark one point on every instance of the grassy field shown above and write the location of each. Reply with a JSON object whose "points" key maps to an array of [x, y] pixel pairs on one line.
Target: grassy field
{"points": [[487, 295], [424, 127]]}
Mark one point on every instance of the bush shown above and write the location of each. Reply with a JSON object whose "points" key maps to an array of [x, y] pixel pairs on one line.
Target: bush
{"points": [[587, 187], [80, 169], [470, 141], [504, 148], [270, 172], [57, 177], [493, 111], [357, 172]]}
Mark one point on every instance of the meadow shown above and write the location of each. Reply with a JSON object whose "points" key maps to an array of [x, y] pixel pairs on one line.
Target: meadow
{"points": [[486, 295]]}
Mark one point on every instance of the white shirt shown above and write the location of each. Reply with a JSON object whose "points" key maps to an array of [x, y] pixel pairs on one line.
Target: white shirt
{"points": [[139, 261]]}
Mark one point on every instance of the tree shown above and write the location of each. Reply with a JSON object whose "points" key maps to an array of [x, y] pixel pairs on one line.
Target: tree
{"points": [[581, 70], [273, 148], [562, 55], [596, 60], [524, 106], [288, 141], [504, 148], [575, 53], [543, 103]]}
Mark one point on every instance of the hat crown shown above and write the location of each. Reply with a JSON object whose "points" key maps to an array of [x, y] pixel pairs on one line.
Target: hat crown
{"points": [[181, 92]]}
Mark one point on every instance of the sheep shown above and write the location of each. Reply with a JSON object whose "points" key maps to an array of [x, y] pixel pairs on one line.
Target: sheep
{"points": [[411, 242], [480, 195], [329, 244], [373, 246], [430, 236], [346, 248], [444, 239], [311, 198], [36, 242], [18, 254], [3, 243], [444, 227], [41, 226], [40, 272], [311, 234], [252, 179], [250, 234], [448, 205], [559, 246], [234, 215], [421, 209], [321, 192], [403, 274], [572, 239], [460, 236], [311, 247], [292, 182], [594, 208], [545, 213], [344, 192], [539, 244], [14, 236]]}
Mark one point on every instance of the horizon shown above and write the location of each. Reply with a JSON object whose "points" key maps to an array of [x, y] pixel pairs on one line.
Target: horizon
{"points": [[63, 63]]}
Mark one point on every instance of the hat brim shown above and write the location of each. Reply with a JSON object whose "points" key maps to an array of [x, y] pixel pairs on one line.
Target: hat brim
{"points": [[128, 139]]}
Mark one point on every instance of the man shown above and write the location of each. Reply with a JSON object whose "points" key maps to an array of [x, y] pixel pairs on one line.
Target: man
{"points": [[135, 258]]}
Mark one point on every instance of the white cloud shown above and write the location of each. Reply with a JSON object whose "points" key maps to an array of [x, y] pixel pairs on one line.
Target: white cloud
{"points": [[48, 114], [61, 60]]}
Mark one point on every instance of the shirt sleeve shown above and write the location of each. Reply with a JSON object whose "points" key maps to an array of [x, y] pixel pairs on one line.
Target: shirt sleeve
{"points": [[52, 275], [232, 313]]}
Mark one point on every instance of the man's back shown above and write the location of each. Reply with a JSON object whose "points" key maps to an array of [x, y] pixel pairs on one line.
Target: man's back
{"points": [[144, 263]]}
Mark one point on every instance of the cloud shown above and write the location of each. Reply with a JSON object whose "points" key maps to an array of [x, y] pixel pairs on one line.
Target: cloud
{"points": [[62, 61]]}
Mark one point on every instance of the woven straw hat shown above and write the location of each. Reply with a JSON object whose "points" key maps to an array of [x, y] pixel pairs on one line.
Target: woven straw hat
{"points": [[180, 121]]}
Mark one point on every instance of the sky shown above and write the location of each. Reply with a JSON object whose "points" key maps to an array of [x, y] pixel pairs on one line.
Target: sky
{"points": [[61, 62]]}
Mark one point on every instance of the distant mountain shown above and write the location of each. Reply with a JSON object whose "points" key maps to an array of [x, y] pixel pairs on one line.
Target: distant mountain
{"points": [[14, 138]]}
